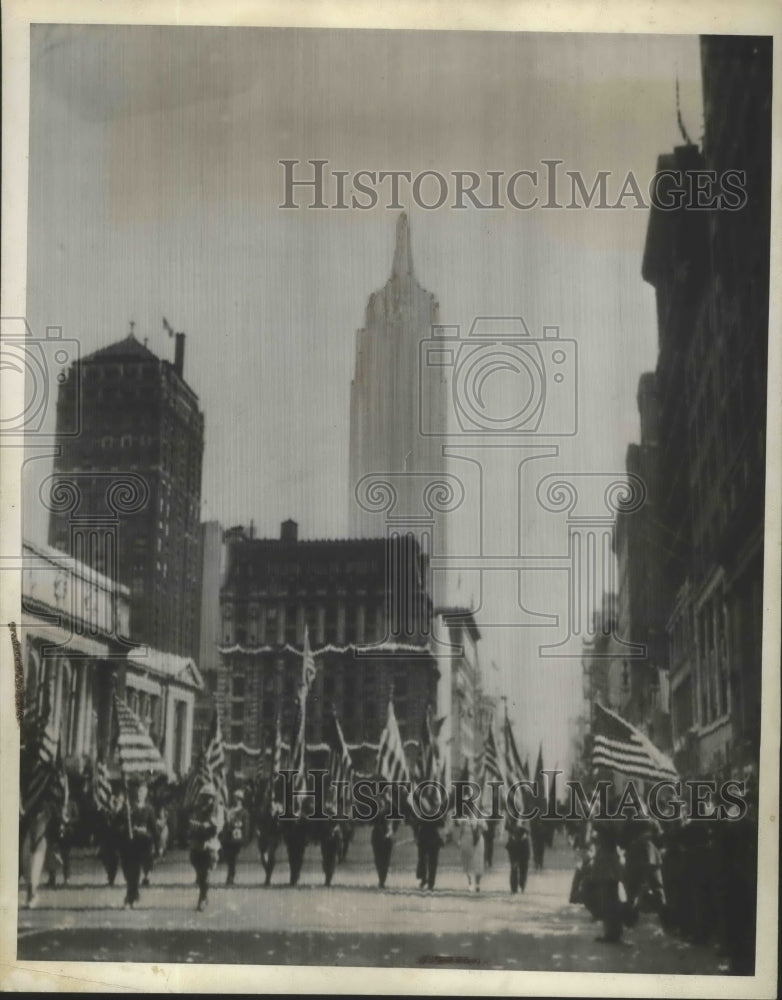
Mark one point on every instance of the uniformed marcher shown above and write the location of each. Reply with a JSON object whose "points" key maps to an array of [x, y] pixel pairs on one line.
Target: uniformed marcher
{"points": [[330, 834], [295, 833], [234, 834], [60, 839], [604, 876], [110, 833], [518, 848], [137, 843], [204, 828], [429, 842]]}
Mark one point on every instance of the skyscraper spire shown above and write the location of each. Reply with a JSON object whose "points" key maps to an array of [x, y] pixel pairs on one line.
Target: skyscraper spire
{"points": [[403, 254]]}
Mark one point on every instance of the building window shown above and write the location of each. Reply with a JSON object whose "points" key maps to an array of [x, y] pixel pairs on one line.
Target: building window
{"points": [[290, 624], [237, 711], [271, 625], [237, 686], [126, 441], [331, 622]]}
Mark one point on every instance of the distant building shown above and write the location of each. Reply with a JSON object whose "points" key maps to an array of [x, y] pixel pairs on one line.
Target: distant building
{"points": [[126, 492], [605, 673], [212, 572], [397, 404], [75, 623], [710, 271], [460, 695], [368, 615]]}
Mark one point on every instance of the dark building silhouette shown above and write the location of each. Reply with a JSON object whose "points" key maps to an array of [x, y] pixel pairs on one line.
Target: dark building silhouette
{"points": [[367, 609], [640, 542], [134, 478], [710, 270]]}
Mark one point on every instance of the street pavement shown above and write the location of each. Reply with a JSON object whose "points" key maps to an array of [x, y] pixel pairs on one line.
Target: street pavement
{"points": [[353, 923]]}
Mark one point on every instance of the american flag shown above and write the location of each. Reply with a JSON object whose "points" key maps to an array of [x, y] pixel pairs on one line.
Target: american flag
{"points": [[539, 768], [621, 747], [209, 766], [138, 755], [299, 751], [391, 760], [429, 764], [214, 752], [199, 778], [262, 773], [340, 763], [40, 755], [492, 764], [308, 671], [101, 786], [513, 766]]}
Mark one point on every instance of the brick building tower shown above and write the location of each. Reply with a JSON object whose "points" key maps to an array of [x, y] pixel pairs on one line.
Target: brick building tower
{"points": [[126, 492]]}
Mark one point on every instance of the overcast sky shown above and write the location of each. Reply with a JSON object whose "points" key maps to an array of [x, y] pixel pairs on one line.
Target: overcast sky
{"points": [[155, 188]]}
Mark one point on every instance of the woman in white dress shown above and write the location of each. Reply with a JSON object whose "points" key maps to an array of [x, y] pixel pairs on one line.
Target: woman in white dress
{"points": [[471, 848]]}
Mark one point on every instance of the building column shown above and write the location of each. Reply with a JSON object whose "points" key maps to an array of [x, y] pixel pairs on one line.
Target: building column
{"points": [[188, 748], [82, 713], [171, 734], [360, 623], [321, 611], [341, 621]]}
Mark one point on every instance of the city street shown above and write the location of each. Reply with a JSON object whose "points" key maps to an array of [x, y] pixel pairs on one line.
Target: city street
{"points": [[351, 924]]}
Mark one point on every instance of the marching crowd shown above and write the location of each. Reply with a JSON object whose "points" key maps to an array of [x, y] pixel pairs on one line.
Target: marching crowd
{"points": [[697, 875], [142, 821]]}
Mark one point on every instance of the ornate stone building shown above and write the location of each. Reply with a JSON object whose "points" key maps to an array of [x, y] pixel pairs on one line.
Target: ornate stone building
{"points": [[74, 628], [367, 609]]}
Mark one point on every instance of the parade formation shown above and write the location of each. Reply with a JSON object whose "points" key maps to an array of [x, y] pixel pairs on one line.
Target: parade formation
{"points": [[689, 870]]}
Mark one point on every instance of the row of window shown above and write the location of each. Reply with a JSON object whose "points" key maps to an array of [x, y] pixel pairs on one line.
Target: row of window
{"points": [[357, 624]]}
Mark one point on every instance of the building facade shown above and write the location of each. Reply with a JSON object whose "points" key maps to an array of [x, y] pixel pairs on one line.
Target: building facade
{"points": [[398, 408], [710, 272], [75, 623], [367, 611], [126, 491], [639, 545], [212, 573], [460, 691]]}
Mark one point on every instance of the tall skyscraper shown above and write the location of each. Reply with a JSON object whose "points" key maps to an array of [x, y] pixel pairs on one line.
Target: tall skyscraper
{"points": [[132, 476], [397, 405]]}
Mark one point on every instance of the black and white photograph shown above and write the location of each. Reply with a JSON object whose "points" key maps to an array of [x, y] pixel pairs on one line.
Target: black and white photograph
{"points": [[390, 532]]}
